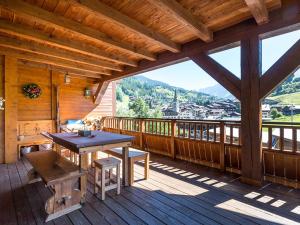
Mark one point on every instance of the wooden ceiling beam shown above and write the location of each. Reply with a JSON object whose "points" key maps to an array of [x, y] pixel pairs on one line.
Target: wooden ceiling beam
{"points": [[259, 10], [114, 16], [52, 61], [174, 9], [282, 68], [280, 19], [58, 53], [101, 89], [71, 72], [75, 46], [38, 14], [223, 76]]}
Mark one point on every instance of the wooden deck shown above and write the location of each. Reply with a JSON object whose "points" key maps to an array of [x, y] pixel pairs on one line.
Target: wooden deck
{"points": [[176, 193]]}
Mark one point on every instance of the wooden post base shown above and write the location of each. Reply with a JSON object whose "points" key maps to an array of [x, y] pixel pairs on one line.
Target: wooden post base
{"points": [[64, 200], [62, 212]]}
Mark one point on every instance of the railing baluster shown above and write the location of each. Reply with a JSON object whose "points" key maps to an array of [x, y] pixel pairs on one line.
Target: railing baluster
{"points": [[281, 139], [294, 140], [270, 137]]}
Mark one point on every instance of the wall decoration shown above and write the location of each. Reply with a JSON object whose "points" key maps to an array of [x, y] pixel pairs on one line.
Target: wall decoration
{"points": [[32, 90]]}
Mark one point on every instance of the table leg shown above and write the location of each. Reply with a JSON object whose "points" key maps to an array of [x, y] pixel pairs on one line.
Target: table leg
{"points": [[125, 165], [83, 160]]}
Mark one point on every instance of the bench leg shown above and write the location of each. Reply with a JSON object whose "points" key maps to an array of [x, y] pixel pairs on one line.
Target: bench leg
{"points": [[125, 152], [146, 166], [118, 180], [65, 200], [131, 171]]}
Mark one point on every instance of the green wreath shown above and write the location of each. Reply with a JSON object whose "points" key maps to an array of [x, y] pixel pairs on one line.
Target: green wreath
{"points": [[32, 90]]}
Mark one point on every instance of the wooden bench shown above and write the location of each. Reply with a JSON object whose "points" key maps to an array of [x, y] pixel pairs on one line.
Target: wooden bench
{"points": [[60, 175], [134, 156]]}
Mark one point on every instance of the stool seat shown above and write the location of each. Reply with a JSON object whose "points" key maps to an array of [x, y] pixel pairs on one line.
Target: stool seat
{"points": [[107, 162]]}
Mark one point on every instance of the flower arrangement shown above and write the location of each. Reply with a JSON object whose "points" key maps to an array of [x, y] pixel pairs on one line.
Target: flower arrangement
{"points": [[32, 90]]}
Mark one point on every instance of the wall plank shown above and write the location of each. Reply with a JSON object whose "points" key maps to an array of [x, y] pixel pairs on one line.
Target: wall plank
{"points": [[39, 108]]}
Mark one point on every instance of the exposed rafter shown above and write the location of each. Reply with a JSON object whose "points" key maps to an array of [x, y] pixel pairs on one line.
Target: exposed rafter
{"points": [[284, 67], [43, 16], [54, 52], [259, 10], [31, 34], [219, 73], [101, 89], [174, 9], [52, 61], [64, 70], [100, 9], [280, 20]]}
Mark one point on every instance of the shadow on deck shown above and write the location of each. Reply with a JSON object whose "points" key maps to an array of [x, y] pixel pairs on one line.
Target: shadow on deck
{"points": [[176, 193]]}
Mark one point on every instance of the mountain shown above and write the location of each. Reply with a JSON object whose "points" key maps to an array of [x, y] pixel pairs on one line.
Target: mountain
{"points": [[153, 95], [218, 91]]}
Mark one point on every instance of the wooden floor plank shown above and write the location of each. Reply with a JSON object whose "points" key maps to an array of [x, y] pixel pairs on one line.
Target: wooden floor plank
{"points": [[7, 210], [24, 213], [176, 193], [92, 215], [222, 194]]}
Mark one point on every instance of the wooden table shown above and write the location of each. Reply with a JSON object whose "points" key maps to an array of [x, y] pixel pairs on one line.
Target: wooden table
{"points": [[99, 141]]}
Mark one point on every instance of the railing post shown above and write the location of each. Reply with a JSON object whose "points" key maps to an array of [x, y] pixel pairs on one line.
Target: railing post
{"points": [[142, 130], [173, 127], [222, 146], [119, 125]]}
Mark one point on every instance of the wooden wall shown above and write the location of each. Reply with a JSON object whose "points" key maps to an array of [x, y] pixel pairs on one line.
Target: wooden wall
{"points": [[73, 104]]}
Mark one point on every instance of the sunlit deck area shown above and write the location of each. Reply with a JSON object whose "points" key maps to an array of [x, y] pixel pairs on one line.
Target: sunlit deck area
{"points": [[176, 193]]}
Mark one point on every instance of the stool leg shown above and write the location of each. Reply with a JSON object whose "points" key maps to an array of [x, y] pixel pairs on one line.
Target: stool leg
{"points": [[110, 175], [96, 180], [146, 166], [102, 184], [131, 171], [118, 180]]}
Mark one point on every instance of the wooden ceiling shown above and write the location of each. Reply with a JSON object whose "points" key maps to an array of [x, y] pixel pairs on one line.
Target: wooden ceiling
{"points": [[98, 38]]}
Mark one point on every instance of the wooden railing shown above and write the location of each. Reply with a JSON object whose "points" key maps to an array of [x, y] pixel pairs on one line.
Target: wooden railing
{"points": [[215, 143]]}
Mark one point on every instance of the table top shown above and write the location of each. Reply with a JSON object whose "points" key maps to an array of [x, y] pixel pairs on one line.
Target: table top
{"points": [[73, 141]]}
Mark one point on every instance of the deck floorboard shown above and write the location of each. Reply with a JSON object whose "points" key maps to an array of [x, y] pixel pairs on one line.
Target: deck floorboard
{"points": [[176, 193]]}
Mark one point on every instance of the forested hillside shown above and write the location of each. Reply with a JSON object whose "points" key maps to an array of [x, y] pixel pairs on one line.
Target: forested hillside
{"points": [[142, 97]]}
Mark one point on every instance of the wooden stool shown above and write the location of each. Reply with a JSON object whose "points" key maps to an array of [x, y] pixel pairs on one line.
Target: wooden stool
{"points": [[134, 156], [101, 165]]}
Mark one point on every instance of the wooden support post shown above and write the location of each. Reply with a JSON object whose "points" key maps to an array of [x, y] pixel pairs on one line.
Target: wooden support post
{"points": [[173, 127], [222, 147], [11, 108], [251, 111], [142, 130], [2, 143], [54, 99]]}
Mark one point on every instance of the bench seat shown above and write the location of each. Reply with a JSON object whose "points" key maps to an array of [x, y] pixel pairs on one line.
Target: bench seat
{"points": [[59, 174], [134, 155]]}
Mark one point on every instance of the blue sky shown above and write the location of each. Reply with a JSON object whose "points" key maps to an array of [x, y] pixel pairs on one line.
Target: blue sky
{"points": [[189, 76]]}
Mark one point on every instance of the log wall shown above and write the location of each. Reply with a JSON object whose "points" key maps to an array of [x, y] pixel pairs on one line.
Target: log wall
{"points": [[73, 104]]}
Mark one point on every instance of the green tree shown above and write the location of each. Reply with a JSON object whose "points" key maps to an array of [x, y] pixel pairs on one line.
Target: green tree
{"points": [[119, 94], [275, 114], [140, 108]]}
